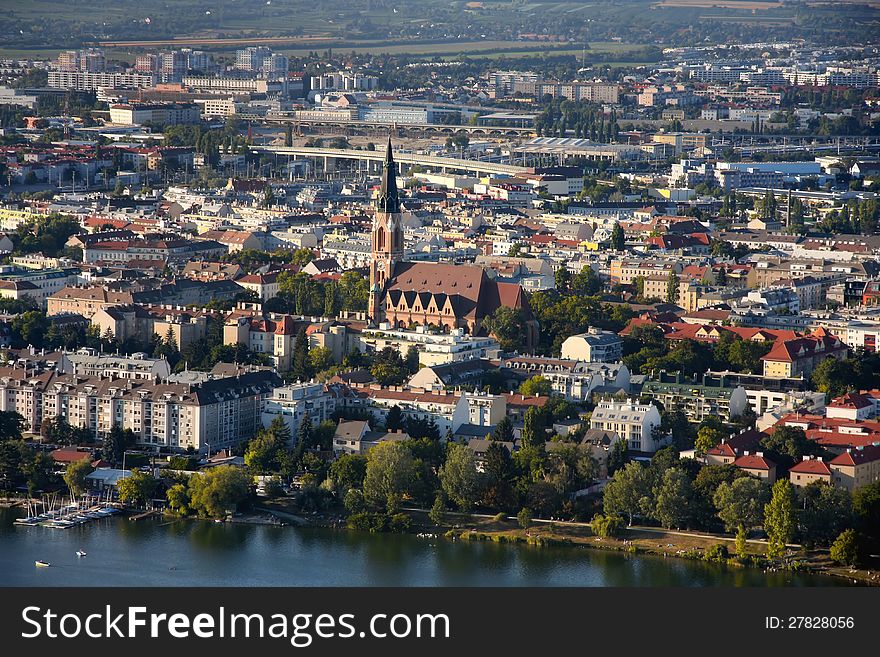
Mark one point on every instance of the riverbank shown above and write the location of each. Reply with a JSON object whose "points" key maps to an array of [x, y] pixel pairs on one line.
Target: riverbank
{"points": [[633, 540], [663, 543]]}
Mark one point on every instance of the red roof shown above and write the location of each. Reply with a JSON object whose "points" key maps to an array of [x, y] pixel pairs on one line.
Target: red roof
{"points": [[811, 466], [754, 462], [858, 456], [851, 400]]}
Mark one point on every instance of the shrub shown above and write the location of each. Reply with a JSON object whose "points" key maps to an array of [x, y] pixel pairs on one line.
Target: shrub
{"points": [[846, 549], [399, 522], [717, 552], [525, 518], [606, 526], [498, 517]]}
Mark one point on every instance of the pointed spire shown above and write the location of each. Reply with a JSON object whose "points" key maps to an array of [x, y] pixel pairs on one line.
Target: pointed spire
{"points": [[389, 200]]}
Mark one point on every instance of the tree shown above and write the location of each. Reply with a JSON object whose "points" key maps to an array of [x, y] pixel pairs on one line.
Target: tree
{"points": [[617, 457], [302, 367], [137, 488], [569, 467], [742, 537], [789, 441], [507, 325], [219, 490], [348, 471], [846, 549], [741, 503], [825, 511], [536, 385], [626, 491], [672, 287], [606, 526], [675, 500], [389, 368], [412, 359], [116, 441], [563, 281], [618, 239], [75, 476], [437, 514], [524, 518], [11, 425], [459, 477], [178, 499], [833, 377], [503, 431], [533, 432], [587, 282], [707, 438], [779, 518], [320, 359], [866, 505], [498, 477], [264, 453], [390, 475], [394, 420]]}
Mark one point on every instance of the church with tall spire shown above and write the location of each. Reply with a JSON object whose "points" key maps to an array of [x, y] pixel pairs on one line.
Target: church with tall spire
{"points": [[446, 296], [387, 237]]}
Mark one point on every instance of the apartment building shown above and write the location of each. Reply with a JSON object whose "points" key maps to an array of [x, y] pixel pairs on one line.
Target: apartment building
{"points": [[293, 402], [625, 271], [434, 348], [594, 346], [88, 81], [636, 423], [273, 335], [854, 468], [216, 414], [449, 411], [154, 113]]}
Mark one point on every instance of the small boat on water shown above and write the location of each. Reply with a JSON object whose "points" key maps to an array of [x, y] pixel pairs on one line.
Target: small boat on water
{"points": [[80, 553], [41, 564]]}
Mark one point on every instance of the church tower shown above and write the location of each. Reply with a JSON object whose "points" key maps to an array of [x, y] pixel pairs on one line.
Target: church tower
{"points": [[387, 244]]}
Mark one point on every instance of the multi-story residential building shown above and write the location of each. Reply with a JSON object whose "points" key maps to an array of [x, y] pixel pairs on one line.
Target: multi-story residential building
{"points": [[638, 424], [594, 346], [854, 468], [572, 379], [85, 81], [435, 348], [154, 113], [800, 356], [216, 414], [273, 335], [503, 83], [126, 322], [38, 284], [449, 411], [293, 402], [85, 301], [251, 59], [265, 286], [699, 399], [625, 271], [681, 141], [91, 363], [596, 92]]}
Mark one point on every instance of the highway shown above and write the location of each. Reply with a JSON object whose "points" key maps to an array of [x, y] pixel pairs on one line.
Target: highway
{"points": [[438, 163]]}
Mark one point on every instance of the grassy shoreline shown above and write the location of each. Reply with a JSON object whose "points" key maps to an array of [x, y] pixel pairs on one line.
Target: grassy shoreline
{"points": [[633, 540]]}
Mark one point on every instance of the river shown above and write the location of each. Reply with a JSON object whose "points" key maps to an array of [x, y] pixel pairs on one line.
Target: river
{"points": [[192, 553]]}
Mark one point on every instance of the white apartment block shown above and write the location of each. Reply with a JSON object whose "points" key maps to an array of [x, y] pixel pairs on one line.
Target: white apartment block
{"points": [[293, 402], [633, 422]]}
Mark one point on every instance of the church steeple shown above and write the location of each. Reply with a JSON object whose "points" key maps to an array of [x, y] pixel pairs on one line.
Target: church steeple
{"points": [[389, 199], [387, 242]]}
